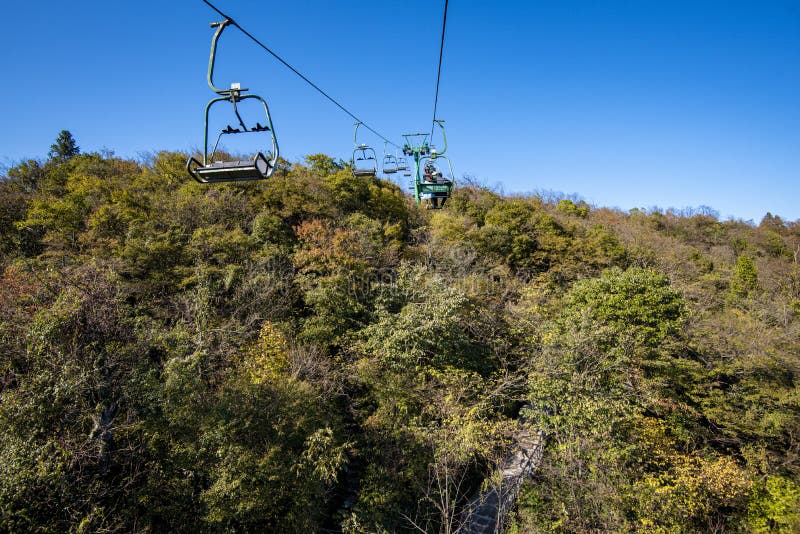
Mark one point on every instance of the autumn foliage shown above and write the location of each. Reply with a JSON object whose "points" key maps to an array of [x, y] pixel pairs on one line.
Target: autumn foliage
{"points": [[314, 352]]}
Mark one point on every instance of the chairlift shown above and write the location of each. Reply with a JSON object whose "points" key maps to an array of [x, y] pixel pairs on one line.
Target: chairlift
{"points": [[389, 164], [431, 185], [437, 180], [364, 161], [212, 170]]}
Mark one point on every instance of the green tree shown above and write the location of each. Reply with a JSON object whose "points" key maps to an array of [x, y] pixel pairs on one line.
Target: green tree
{"points": [[64, 148], [237, 346], [776, 506], [602, 364], [745, 276], [323, 164]]}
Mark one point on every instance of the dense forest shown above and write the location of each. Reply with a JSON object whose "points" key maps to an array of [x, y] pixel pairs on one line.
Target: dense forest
{"points": [[315, 353]]}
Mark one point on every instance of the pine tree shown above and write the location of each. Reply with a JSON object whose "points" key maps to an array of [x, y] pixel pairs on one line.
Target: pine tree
{"points": [[64, 148]]}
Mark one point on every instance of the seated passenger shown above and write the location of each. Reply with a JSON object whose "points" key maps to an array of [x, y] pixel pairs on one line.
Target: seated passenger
{"points": [[430, 173]]}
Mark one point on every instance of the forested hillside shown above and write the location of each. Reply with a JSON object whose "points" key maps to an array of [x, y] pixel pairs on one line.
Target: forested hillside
{"points": [[314, 352]]}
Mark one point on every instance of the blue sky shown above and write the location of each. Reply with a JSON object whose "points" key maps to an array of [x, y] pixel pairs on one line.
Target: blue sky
{"points": [[633, 103]]}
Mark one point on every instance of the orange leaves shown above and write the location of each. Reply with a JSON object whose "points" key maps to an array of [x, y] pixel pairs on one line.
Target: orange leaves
{"points": [[324, 247], [18, 290]]}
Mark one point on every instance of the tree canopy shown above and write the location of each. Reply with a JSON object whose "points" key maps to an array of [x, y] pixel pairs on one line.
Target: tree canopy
{"points": [[314, 352]]}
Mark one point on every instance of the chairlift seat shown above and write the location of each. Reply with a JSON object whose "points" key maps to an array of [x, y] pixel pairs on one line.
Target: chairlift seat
{"points": [[364, 172], [230, 171]]}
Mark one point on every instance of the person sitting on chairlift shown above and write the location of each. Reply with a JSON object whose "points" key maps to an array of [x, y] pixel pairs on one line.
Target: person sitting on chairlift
{"points": [[430, 173]]}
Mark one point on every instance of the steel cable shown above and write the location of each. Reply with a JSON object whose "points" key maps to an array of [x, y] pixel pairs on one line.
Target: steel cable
{"points": [[298, 73], [439, 70]]}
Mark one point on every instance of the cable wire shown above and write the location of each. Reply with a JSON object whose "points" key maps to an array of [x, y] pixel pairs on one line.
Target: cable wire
{"points": [[303, 77], [439, 70]]}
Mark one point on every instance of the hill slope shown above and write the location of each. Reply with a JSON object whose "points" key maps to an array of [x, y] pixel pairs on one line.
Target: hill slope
{"points": [[315, 352]]}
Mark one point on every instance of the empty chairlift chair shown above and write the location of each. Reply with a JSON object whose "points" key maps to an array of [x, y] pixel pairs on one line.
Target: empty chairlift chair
{"points": [[212, 170], [389, 164], [364, 162], [402, 164]]}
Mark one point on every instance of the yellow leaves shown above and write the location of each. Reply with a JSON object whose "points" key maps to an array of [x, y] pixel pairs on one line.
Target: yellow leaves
{"points": [[657, 445], [550, 337], [450, 227], [269, 358], [723, 477], [680, 488], [694, 486]]}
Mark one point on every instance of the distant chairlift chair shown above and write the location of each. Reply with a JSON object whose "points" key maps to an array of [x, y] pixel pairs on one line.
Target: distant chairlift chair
{"points": [[402, 164], [210, 170], [389, 164], [364, 162]]}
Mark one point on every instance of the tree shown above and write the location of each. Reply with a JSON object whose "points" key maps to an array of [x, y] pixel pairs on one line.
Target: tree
{"points": [[605, 360], [323, 165], [64, 148], [745, 276], [314, 353]]}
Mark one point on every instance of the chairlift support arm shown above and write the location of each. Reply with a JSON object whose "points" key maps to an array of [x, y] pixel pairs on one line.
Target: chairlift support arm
{"points": [[220, 26], [440, 122]]}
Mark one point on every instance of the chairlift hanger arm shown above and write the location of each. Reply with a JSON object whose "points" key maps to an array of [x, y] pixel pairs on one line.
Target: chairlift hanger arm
{"points": [[220, 26], [440, 122], [355, 134]]}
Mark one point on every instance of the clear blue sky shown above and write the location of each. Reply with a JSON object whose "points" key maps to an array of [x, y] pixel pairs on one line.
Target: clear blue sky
{"points": [[628, 104]]}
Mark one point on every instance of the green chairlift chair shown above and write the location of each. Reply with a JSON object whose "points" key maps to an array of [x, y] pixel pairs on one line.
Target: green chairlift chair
{"points": [[213, 170]]}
